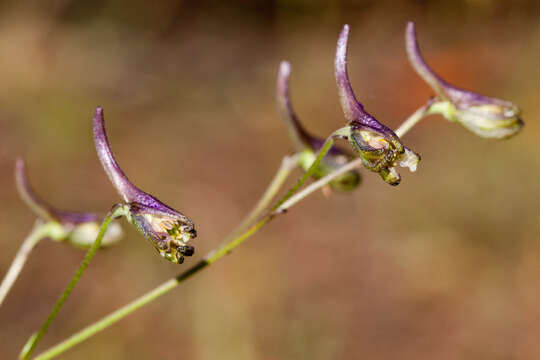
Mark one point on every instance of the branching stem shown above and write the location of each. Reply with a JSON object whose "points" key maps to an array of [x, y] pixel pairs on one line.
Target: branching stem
{"points": [[284, 203]]}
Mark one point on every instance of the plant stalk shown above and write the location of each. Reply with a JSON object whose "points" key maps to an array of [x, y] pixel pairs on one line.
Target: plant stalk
{"points": [[284, 203], [39, 232], [33, 341]]}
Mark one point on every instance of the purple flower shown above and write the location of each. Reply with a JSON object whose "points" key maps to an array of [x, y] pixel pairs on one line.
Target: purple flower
{"points": [[78, 229], [379, 147], [485, 116], [167, 229], [308, 145]]}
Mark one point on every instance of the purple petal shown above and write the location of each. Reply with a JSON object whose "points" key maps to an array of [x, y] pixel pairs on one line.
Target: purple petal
{"points": [[298, 134], [125, 188], [354, 111], [418, 63], [129, 192]]}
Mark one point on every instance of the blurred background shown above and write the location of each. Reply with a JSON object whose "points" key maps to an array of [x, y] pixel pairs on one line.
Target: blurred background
{"points": [[444, 266]]}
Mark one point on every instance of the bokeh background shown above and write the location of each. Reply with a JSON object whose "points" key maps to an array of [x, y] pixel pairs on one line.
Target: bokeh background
{"points": [[444, 266]]}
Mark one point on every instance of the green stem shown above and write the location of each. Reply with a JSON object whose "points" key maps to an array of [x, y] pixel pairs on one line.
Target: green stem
{"points": [[39, 232], [167, 286], [162, 289], [321, 154], [284, 203], [215, 255], [36, 337]]}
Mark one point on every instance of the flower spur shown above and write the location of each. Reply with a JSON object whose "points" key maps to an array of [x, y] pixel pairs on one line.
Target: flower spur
{"points": [[167, 229]]}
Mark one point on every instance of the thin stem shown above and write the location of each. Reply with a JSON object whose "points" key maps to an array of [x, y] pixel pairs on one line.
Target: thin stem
{"points": [[164, 288], [39, 232], [317, 185], [288, 164], [285, 202], [320, 155], [413, 119], [36, 337]]}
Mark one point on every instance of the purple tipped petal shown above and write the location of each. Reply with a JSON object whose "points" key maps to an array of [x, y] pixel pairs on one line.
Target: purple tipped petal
{"points": [[351, 107], [417, 61], [487, 117], [40, 207], [298, 134], [354, 111]]}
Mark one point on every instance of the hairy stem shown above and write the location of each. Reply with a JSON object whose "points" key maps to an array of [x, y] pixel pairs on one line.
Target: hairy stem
{"points": [[36, 337], [39, 232], [215, 255]]}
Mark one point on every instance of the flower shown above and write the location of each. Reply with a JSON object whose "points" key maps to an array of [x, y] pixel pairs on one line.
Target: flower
{"points": [[379, 147], [78, 229], [308, 145], [485, 116], [167, 229]]}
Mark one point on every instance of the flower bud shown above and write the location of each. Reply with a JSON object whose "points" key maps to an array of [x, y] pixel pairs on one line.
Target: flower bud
{"points": [[167, 229], [308, 145], [485, 116], [379, 147], [77, 229]]}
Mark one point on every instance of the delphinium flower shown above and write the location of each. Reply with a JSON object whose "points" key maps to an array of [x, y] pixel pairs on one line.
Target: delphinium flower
{"points": [[485, 116], [78, 228], [379, 147], [74, 228], [307, 145], [167, 229]]}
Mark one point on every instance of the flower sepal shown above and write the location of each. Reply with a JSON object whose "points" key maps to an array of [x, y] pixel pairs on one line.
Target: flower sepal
{"points": [[168, 233]]}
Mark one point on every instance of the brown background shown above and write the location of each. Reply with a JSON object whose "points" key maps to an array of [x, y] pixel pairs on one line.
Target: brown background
{"points": [[445, 266]]}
